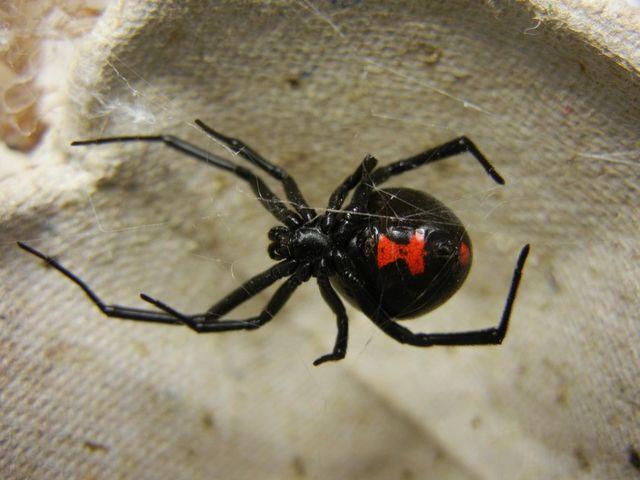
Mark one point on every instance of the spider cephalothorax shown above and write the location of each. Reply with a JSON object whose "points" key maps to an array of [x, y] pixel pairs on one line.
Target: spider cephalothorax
{"points": [[306, 243], [394, 253]]}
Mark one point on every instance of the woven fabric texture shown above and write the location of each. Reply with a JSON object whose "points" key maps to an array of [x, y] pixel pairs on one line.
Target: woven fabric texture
{"points": [[315, 86]]}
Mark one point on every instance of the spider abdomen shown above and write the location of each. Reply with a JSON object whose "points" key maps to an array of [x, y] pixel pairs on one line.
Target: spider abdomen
{"points": [[412, 254]]}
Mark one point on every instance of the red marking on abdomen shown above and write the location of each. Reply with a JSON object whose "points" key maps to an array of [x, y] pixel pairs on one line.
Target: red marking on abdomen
{"points": [[464, 254], [412, 253]]}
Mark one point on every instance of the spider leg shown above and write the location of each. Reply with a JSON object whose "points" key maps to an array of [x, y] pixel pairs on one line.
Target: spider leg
{"points": [[117, 311], [251, 288], [268, 199], [488, 336], [453, 147], [332, 299], [340, 193], [200, 324], [238, 147]]}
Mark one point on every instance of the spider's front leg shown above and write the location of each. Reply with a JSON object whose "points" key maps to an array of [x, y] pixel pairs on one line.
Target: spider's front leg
{"points": [[239, 147], [264, 194], [116, 311], [206, 324], [246, 291]]}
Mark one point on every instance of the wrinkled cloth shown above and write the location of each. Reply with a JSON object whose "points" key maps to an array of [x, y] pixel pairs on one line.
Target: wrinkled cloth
{"points": [[551, 101]]}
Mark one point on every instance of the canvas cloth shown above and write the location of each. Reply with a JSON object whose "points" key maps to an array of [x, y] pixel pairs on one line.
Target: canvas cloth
{"points": [[548, 92]]}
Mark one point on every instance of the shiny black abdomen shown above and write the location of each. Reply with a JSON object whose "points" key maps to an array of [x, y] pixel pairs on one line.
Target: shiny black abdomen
{"points": [[412, 253]]}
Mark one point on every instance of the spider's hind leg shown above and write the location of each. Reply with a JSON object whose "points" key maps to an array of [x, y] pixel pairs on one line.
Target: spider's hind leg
{"points": [[448, 149], [488, 336]]}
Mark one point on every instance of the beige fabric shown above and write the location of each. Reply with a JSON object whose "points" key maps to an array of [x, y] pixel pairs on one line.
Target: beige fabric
{"points": [[550, 97]]}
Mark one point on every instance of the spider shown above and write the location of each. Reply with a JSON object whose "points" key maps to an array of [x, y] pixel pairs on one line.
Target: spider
{"points": [[393, 253]]}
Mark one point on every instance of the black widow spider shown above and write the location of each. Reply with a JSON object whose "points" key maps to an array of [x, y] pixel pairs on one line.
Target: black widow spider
{"points": [[394, 253]]}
